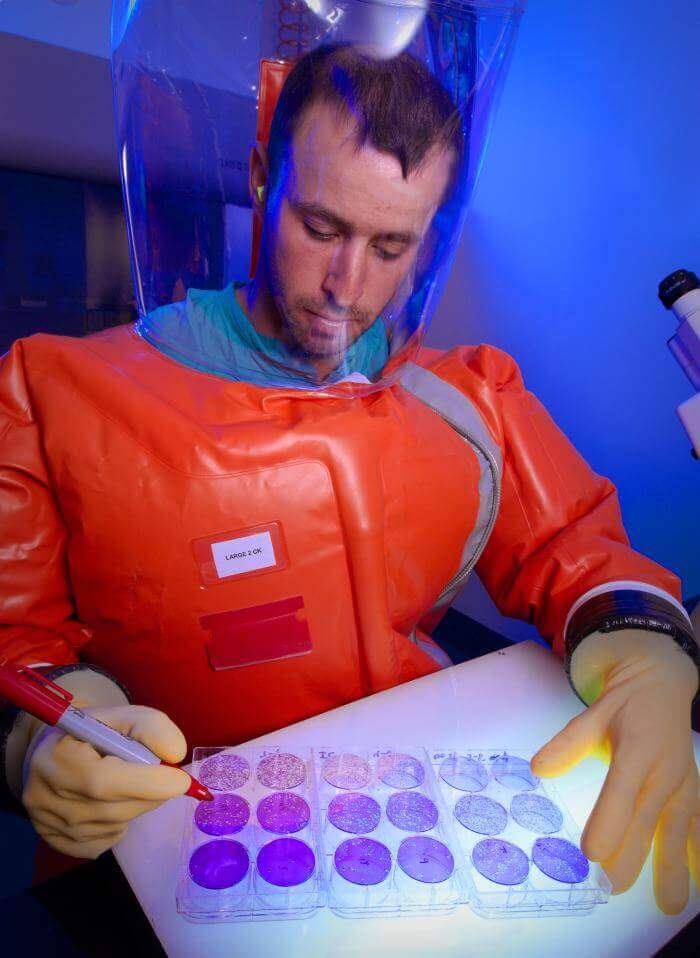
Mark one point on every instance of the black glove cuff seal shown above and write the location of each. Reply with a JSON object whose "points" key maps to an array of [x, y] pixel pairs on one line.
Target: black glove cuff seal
{"points": [[629, 609]]}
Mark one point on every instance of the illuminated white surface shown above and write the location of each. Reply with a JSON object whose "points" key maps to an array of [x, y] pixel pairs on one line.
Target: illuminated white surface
{"points": [[516, 698]]}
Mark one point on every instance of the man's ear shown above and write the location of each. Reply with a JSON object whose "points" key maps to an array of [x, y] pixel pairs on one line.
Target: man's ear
{"points": [[257, 177]]}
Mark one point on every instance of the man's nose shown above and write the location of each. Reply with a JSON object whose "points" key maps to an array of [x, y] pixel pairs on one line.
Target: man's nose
{"points": [[345, 274]]}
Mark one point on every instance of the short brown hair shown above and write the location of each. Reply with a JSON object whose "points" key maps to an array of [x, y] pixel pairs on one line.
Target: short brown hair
{"points": [[397, 104]]}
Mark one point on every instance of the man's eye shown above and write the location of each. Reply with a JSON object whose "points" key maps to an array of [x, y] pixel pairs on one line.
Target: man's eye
{"points": [[317, 234], [386, 255]]}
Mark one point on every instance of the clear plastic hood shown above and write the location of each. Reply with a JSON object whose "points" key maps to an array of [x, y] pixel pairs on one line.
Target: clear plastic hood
{"points": [[319, 255]]}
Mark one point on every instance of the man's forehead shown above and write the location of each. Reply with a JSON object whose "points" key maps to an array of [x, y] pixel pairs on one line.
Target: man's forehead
{"points": [[360, 183]]}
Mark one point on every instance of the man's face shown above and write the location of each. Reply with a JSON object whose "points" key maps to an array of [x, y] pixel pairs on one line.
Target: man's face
{"points": [[344, 233]]}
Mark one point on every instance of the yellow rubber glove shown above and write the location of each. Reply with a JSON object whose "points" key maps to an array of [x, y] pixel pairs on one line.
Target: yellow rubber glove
{"points": [[641, 685], [81, 802]]}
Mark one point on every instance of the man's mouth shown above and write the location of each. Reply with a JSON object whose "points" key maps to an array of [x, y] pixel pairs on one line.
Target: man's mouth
{"points": [[329, 320]]}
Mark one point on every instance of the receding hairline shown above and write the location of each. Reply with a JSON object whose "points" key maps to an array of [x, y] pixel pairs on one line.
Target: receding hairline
{"points": [[442, 146]]}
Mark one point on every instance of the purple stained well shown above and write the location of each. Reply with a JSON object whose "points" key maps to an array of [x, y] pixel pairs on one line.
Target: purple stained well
{"points": [[347, 771], [411, 811], [536, 813], [224, 772], [281, 770], [514, 773], [354, 812], [425, 859], [283, 813], [225, 815], [286, 862], [481, 814], [560, 860], [400, 771], [464, 773], [219, 864], [500, 861], [362, 861]]}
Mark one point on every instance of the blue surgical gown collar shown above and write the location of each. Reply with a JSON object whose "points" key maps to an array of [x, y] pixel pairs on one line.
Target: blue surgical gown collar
{"points": [[210, 332]]}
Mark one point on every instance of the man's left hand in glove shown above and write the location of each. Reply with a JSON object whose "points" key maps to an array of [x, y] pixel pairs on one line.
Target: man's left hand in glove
{"points": [[639, 686]]}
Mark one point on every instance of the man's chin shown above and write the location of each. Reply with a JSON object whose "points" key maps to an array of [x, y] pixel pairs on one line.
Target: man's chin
{"points": [[324, 347], [320, 339]]}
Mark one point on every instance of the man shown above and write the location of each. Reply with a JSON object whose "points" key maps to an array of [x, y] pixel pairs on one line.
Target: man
{"points": [[238, 513]]}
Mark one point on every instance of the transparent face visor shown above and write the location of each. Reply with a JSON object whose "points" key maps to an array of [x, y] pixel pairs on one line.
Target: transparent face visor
{"points": [[328, 276]]}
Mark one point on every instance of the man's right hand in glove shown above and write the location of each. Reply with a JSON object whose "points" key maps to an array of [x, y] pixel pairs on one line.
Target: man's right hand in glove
{"points": [[78, 800], [81, 802]]}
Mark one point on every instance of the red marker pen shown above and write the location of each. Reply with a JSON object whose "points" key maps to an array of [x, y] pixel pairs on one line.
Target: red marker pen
{"points": [[31, 691]]}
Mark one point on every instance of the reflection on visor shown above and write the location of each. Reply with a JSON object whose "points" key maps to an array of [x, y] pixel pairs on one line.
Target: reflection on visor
{"points": [[300, 239]]}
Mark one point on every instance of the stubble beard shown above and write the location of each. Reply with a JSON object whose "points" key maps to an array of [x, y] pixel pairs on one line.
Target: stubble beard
{"points": [[296, 324]]}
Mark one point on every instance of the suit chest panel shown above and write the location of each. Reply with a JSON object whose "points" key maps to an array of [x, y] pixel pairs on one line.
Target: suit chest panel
{"points": [[133, 516]]}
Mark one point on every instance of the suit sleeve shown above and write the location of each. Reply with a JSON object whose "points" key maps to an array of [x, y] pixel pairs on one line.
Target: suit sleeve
{"points": [[38, 625], [559, 537]]}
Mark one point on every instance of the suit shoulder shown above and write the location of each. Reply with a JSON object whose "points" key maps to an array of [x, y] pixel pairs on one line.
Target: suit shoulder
{"points": [[469, 365], [46, 344]]}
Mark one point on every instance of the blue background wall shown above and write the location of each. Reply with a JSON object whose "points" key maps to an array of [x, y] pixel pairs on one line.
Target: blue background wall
{"points": [[76, 24], [590, 195]]}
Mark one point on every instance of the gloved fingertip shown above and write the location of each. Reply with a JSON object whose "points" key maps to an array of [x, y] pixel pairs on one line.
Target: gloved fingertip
{"points": [[596, 849], [622, 876], [187, 782], [672, 905], [622, 881], [549, 762], [540, 760], [174, 746], [559, 753], [545, 770], [159, 733], [177, 782], [694, 850], [174, 752], [671, 893], [594, 854]]}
